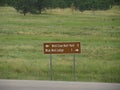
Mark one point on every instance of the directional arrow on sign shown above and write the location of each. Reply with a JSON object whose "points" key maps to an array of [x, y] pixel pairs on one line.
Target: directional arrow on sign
{"points": [[77, 50], [46, 45]]}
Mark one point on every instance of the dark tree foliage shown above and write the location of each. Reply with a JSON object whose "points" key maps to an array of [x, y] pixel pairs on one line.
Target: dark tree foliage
{"points": [[2, 2], [36, 6], [31, 6], [116, 2]]}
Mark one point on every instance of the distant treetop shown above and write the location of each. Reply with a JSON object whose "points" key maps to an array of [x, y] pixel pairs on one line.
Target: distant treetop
{"points": [[36, 6]]}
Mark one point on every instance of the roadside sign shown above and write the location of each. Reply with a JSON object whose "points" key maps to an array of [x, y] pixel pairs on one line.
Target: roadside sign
{"points": [[62, 48]]}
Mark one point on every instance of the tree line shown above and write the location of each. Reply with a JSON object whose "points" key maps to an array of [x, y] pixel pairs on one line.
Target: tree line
{"points": [[37, 6]]}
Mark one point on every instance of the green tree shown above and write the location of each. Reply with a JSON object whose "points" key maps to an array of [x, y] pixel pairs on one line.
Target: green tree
{"points": [[2, 2], [37, 6], [32, 6]]}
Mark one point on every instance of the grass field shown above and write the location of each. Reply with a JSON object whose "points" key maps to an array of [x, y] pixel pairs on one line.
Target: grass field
{"points": [[22, 38]]}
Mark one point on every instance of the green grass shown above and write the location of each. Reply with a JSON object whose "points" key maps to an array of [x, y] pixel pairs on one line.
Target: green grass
{"points": [[22, 38]]}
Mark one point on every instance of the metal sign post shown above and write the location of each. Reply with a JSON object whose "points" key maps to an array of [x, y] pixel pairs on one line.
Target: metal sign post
{"points": [[74, 64], [50, 66]]}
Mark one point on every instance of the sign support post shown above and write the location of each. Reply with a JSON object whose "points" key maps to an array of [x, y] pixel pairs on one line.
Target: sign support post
{"points": [[50, 66], [74, 64]]}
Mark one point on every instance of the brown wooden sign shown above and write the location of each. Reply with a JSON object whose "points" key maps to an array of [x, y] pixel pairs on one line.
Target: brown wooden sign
{"points": [[62, 48]]}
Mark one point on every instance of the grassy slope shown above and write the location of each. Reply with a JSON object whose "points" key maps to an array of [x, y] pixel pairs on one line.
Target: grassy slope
{"points": [[22, 38]]}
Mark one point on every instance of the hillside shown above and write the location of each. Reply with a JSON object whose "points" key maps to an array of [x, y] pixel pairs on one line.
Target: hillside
{"points": [[22, 38]]}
